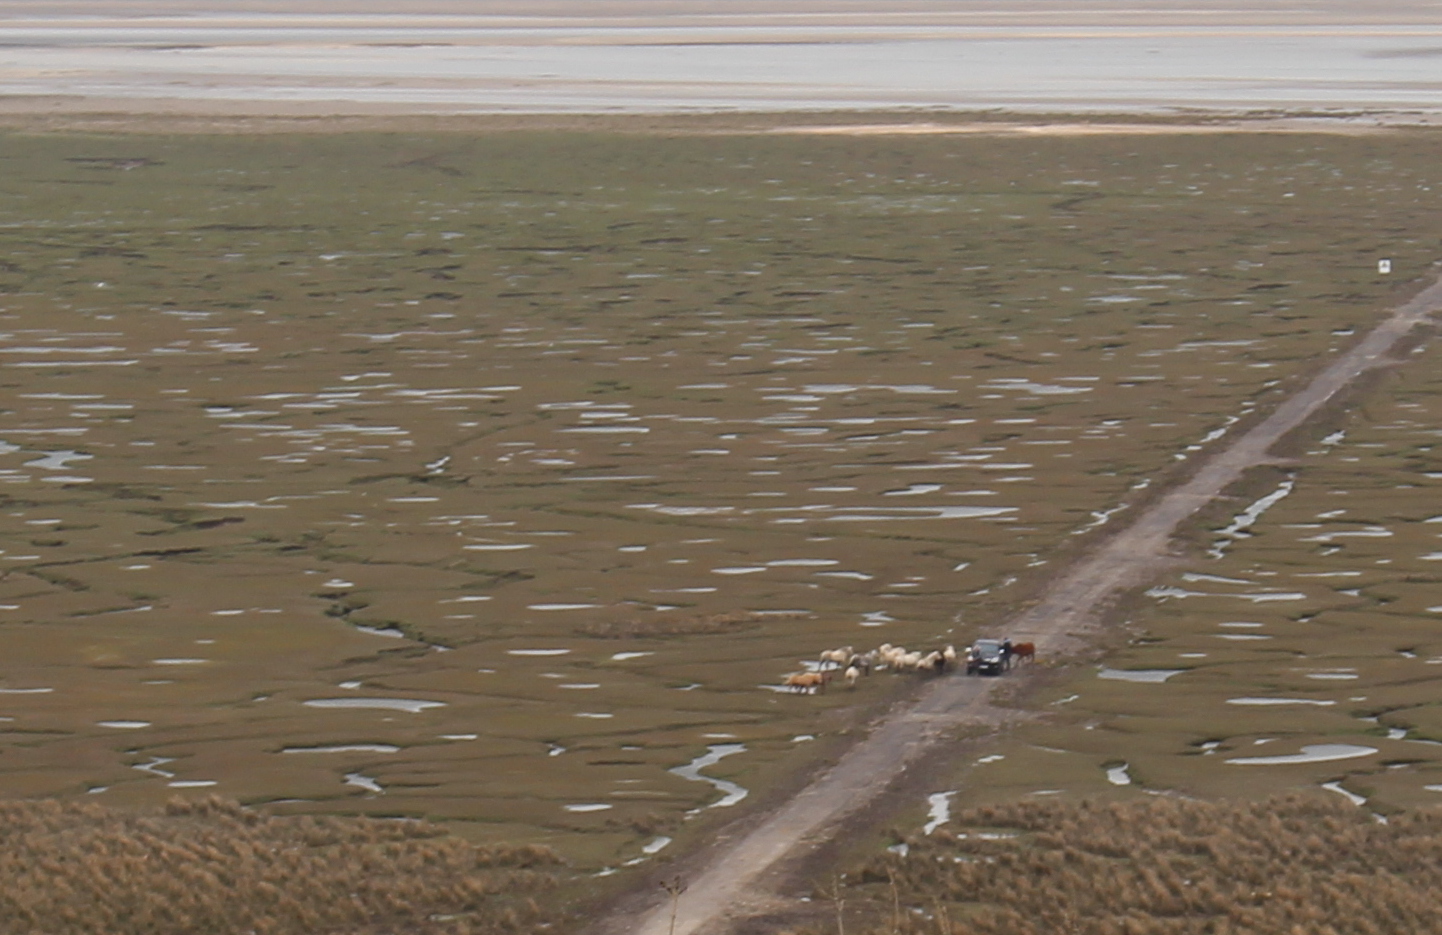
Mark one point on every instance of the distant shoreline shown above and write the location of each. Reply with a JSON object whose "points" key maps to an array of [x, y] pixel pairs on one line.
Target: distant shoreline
{"points": [[176, 117], [581, 13], [667, 57]]}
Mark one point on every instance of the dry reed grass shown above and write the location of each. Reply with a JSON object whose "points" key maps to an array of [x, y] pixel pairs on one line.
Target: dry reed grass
{"points": [[1284, 866], [211, 866]]}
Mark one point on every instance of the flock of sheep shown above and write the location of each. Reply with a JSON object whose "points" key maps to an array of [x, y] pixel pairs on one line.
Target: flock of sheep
{"points": [[854, 665]]}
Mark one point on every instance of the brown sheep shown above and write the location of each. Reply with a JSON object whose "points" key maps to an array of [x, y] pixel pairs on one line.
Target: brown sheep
{"points": [[807, 681]]}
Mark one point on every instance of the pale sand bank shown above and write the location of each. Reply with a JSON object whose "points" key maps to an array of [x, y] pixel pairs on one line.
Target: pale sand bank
{"points": [[1099, 128]]}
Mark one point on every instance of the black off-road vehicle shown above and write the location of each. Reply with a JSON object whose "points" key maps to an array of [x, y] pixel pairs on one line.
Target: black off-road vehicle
{"points": [[986, 657]]}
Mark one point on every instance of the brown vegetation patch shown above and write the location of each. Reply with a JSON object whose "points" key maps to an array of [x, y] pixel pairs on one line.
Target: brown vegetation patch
{"points": [[211, 866], [1160, 867]]}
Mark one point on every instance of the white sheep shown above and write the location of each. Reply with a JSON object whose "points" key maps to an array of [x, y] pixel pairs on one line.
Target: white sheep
{"points": [[891, 655], [908, 661], [838, 656], [851, 674]]}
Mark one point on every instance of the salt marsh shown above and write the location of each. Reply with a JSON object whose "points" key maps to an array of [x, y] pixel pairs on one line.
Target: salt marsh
{"points": [[504, 469]]}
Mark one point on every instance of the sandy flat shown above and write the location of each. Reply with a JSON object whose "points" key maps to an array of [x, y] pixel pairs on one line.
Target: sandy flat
{"points": [[753, 12], [667, 56]]}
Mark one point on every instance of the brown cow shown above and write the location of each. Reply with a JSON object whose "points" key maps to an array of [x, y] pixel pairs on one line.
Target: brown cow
{"points": [[1025, 651]]}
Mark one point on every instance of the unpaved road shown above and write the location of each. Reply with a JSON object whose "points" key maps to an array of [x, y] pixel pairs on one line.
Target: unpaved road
{"points": [[734, 882]]}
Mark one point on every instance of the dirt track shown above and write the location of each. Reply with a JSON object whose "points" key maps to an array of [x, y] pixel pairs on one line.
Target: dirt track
{"points": [[734, 883]]}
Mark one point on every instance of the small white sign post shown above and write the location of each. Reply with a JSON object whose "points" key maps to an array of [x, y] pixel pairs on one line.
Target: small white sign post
{"points": [[1384, 266]]}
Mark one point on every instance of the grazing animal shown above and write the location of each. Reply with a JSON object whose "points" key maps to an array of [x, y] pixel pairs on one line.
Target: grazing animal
{"points": [[892, 655], [932, 660], [838, 656], [1025, 651], [851, 675], [806, 681], [908, 661], [948, 656]]}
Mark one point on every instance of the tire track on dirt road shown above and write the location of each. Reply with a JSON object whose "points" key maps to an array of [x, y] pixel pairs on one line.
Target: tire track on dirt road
{"points": [[733, 883]]}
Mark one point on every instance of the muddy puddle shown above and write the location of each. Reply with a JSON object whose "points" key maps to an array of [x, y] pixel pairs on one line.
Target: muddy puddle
{"points": [[493, 478]]}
